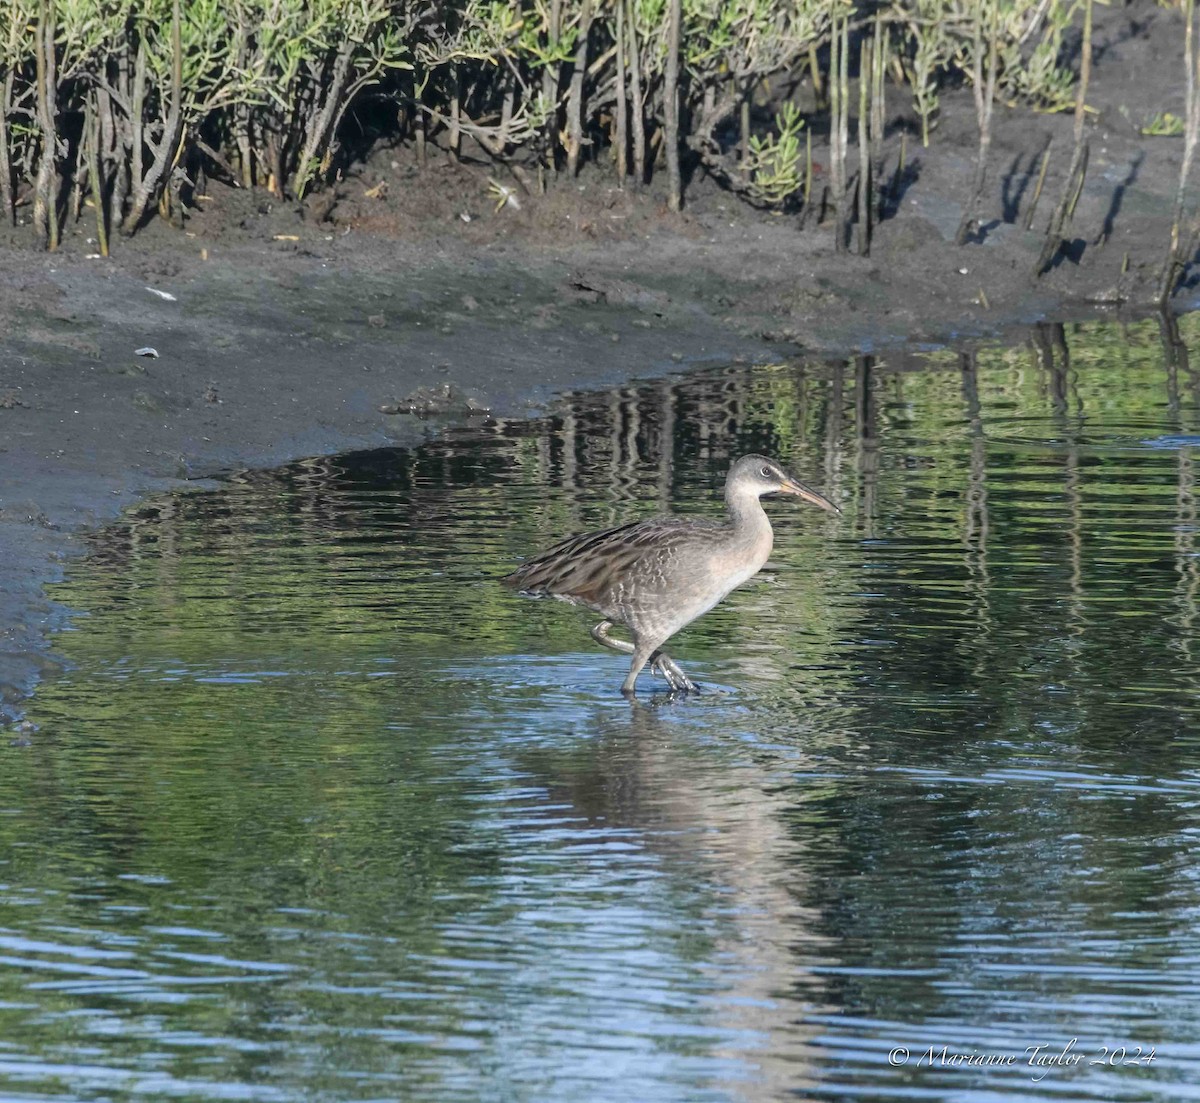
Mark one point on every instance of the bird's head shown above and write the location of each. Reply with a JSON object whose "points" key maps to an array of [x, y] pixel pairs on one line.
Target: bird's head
{"points": [[762, 476]]}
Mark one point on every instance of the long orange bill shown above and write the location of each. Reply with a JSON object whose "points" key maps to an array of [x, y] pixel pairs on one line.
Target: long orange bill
{"points": [[794, 486]]}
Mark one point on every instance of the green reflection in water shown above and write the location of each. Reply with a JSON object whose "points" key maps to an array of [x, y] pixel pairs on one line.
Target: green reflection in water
{"points": [[322, 812]]}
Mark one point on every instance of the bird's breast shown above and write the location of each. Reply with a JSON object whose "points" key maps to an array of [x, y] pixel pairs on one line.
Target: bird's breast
{"points": [[690, 593], [742, 561]]}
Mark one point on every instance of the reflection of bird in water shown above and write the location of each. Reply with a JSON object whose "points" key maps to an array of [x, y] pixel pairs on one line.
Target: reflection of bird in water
{"points": [[658, 575]]}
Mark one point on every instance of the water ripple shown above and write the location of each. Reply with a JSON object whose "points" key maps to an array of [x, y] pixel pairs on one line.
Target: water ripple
{"points": [[320, 812]]}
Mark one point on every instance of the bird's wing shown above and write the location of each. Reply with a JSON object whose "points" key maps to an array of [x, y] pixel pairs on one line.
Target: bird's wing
{"points": [[586, 567]]}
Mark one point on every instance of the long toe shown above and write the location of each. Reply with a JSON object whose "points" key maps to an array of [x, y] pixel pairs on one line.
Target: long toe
{"points": [[666, 669], [675, 676]]}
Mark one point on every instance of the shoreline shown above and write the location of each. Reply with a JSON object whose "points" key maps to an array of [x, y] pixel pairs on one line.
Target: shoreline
{"points": [[288, 332]]}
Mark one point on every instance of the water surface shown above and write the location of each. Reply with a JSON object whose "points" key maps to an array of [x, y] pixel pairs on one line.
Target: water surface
{"points": [[321, 812]]}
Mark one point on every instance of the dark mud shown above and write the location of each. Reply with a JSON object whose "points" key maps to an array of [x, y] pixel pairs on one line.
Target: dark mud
{"points": [[290, 334]]}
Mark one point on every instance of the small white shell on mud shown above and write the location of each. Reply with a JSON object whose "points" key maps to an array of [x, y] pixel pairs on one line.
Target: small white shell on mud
{"points": [[147, 351], [162, 294]]}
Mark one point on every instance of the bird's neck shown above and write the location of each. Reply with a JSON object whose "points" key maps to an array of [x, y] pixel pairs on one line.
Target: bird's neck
{"points": [[747, 518]]}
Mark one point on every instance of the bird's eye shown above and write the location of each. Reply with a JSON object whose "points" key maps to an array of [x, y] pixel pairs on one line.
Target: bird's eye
{"points": [[766, 472]]}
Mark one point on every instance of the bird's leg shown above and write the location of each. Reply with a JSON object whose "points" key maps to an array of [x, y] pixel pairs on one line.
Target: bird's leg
{"points": [[641, 655], [600, 635], [660, 662]]}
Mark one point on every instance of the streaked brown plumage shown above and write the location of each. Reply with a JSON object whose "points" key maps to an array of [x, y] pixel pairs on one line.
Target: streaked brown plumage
{"points": [[656, 576]]}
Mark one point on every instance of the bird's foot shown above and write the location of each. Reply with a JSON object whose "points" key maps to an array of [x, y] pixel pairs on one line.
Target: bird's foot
{"points": [[669, 669]]}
